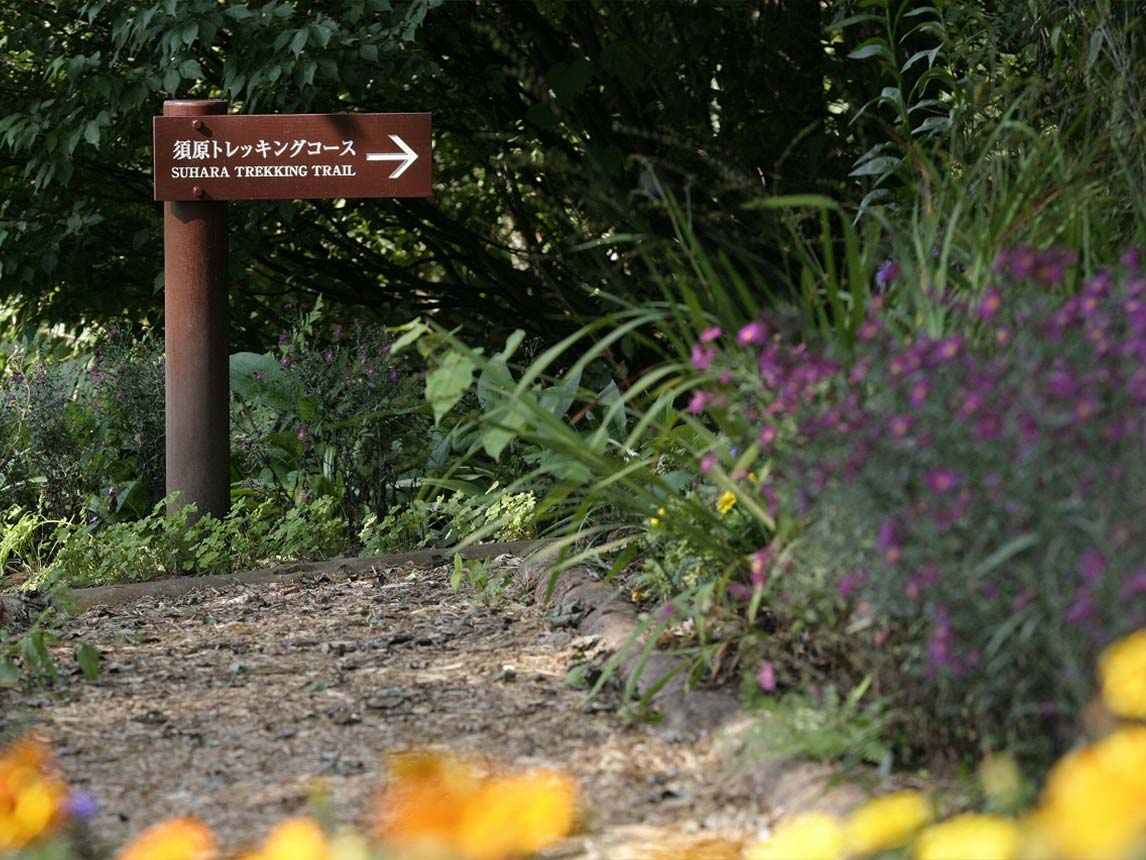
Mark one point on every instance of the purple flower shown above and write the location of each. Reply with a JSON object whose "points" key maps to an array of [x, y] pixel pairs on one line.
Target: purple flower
{"points": [[707, 463], [665, 612], [990, 304], [1131, 257], [948, 348], [767, 435], [753, 333], [81, 805], [1135, 585], [918, 392], [899, 426], [886, 272], [328, 355], [1092, 565], [259, 375], [702, 356], [767, 676], [301, 434], [942, 480], [710, 334], [1082, 609]]}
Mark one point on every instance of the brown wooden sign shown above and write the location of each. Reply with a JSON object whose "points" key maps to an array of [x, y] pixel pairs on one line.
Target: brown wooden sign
{"points": [[280, 156]]}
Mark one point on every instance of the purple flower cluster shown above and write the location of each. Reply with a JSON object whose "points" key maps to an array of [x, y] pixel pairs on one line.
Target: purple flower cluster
{"points": [[996, 469]]}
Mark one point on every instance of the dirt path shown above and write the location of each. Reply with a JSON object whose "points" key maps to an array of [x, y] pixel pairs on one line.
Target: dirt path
{"points": [[229, 703]]}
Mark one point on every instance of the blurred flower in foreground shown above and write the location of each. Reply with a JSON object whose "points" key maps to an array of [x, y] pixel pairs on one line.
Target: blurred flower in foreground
{"points": [[1094, 802], [298, 838], [174, 839], [982, 837], [1001, 780], [32, 798], [435, 805], [811, 836], [886, 822], [1122, 670]]}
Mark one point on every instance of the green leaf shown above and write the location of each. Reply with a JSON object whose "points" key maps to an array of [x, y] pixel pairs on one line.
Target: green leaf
{"points": [[91, 133], [877, 166], [299, 41], [191, 69], [1096, 39], [88, 658], [261, 379], [9, 674], [446, 383], [871, 48]]}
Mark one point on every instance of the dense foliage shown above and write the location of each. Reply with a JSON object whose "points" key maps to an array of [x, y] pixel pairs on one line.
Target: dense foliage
{"points": [[802, 317], [549, 119]]}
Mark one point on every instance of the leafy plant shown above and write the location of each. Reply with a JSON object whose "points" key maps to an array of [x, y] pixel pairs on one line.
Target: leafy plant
{"points": [[970, 497]]}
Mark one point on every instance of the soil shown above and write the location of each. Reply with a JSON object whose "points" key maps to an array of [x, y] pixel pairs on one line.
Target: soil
{"points": [[229, 703]]}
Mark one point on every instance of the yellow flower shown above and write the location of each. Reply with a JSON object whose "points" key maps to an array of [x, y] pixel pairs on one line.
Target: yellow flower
{"points": [[350, 846], [810, 836], [726, 502], [516, 816], [1094, 802], [31, 797], [440, 806], [659, 518], [886, 822], [1001, 780], [174, 839], [982, 837], [1122, 669], [297, 838]]}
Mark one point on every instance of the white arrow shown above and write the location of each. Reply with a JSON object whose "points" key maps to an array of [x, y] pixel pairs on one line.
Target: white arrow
{"points": [[407, 156]]}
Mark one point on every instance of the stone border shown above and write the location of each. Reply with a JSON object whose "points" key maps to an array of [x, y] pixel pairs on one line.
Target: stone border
{"points": [[117, 595], [595, 609]]}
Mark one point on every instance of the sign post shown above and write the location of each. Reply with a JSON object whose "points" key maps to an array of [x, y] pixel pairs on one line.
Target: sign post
{"points": [[203, 157]]}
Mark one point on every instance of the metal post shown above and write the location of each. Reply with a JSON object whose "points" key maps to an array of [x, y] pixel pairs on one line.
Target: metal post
{"points": [[197, 337]]}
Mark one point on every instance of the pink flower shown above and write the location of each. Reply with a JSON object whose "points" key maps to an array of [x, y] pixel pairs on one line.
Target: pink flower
{"points": [[702, 356], [767, 676], [753, 333], [759, 566], [699, 400], [767, 435], [710, 334], [707, 463]]}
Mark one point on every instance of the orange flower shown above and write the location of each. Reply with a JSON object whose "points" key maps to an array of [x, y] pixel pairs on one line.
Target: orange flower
{"points": [[419, 809], [31, 797], [174, 839], [516, 816], [440, 806]]}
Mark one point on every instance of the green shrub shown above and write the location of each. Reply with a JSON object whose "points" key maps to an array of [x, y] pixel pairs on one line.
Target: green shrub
{"points": [[972, 502], [253, 534]]}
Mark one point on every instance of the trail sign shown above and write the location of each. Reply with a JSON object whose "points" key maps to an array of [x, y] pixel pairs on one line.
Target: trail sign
{"points": [[278, 156], [202, 157]]}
